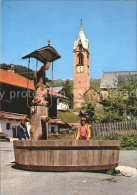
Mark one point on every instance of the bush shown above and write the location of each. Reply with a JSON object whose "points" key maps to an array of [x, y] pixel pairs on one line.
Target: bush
{"points": [[128, 142]]}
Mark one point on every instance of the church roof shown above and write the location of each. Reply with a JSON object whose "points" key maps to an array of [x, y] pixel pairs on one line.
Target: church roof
{"points": [[110, 79], [83, 39]]}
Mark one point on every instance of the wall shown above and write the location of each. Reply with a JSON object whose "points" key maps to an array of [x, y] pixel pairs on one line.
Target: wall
{"points": [[92, 95], [14, 99], [3, 126], [55, 128], [62, 105]]}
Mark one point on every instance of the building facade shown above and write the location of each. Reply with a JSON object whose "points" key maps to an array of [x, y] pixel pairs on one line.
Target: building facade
{"points": [[81, 68], [111, 80], [62, 104], [92, 95]]}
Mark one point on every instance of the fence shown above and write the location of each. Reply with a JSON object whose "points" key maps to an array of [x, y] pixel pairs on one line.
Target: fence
{"points": [[106, 129]]}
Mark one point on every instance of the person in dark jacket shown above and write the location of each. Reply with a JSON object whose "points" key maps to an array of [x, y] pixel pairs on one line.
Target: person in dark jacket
{"points": [[22, 132]]}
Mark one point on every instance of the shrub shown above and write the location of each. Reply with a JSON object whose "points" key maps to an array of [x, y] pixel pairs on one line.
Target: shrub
{"points": [[128, 142]]}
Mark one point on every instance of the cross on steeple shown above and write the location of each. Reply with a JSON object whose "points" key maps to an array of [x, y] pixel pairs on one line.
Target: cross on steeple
{"points": [[49, 42], [81, 22]]}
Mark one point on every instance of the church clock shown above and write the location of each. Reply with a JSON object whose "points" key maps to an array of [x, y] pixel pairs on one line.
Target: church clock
{"points": [[80, 69]]}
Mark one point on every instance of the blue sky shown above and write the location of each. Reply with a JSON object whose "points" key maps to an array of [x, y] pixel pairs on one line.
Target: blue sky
{"points": [[110, 27]]}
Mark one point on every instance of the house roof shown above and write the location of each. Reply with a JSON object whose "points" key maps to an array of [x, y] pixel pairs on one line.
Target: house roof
{"points": [[90, 89], [15, 79], [110, 79], [10, 115], [74, 125], [20, 81], [57, 94], [57, 121], [56, 89]]}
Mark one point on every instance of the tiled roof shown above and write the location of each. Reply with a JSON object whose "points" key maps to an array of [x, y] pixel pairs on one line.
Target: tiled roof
{"points": [[58, 121], [9, 115], [20, 81], [57, 94], [74, 125], [57, 89], [110, 79], [15, 79], [92, 89]]}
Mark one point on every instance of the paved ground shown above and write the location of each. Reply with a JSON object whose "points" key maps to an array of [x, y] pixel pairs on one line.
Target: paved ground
{"points": [[18, 182]]}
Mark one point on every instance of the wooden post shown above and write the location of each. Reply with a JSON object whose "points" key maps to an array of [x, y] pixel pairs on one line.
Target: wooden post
{"points": [[39, 127]]}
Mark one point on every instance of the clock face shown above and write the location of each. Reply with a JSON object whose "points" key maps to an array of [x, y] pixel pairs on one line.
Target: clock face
{"points": [[79, 69]]}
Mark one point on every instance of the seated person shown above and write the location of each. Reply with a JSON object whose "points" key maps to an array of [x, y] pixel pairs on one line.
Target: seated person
{"points": [[83, 130], [22, 132]]}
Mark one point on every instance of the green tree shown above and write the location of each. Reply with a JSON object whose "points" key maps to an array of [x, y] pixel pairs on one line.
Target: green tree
{"points": [[90, 111], [113, 107], [121, 103], [94, 112], [67, 91]]}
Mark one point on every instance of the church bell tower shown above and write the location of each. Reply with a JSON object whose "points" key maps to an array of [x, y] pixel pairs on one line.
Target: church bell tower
{"points": [[81, 68]]}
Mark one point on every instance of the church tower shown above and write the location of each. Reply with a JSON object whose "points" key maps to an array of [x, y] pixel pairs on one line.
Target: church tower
{"points": [[81, 68]]}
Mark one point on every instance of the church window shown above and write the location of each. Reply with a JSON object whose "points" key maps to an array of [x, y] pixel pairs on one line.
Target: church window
{"points": [[80, 56], [80, 47]]}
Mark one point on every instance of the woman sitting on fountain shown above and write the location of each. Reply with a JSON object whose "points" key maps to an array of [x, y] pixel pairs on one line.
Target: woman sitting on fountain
{"points": [[83, 130]]}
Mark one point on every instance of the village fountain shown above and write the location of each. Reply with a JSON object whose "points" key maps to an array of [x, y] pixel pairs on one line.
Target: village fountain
{"points": [[43, 154]]}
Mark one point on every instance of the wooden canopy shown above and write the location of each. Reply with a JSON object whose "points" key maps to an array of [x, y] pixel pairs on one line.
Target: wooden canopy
{"points": [[45, 54]]}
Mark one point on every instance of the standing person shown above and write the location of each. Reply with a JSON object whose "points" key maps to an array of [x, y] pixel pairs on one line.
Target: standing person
{"points": [[22, 132], [41, 88], [83, 130], [39, 76]]}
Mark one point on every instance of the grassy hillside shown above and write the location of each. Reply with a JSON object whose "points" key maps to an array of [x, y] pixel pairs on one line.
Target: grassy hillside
{"points": [[59, 83], [95, 83], [68, 117]]}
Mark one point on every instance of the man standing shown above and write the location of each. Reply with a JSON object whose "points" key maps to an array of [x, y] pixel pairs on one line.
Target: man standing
{"points": [[22, 132], [40, 86], [39, 76]]}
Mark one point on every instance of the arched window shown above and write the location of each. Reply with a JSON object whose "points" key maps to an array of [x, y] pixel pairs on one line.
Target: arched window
{"points": [[80, 56], [80, 47]]}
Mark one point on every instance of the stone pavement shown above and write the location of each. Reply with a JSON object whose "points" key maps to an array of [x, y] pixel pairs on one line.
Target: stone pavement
{"points": [[19, 182]]}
